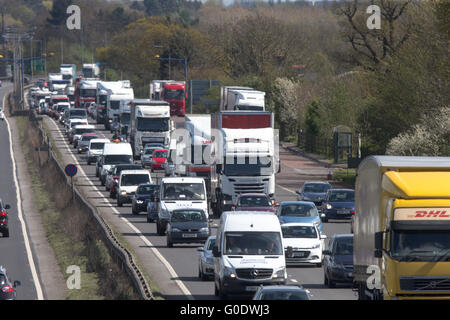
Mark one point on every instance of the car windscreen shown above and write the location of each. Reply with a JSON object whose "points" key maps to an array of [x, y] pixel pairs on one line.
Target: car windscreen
{"points": [[83, 130], [316, 188], [134, 179], [341, 196], [188, 216], [149, 151], [254, 201], [299, 232], [97, 145], [284, 295], [253, 243], [344, 246], [118, 158], [298, 210], [147, 189], [115, 105], [88, 138], [183, 191]]}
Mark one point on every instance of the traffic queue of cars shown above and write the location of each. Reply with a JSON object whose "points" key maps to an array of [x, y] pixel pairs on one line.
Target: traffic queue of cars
{"points": [[272, 235]]}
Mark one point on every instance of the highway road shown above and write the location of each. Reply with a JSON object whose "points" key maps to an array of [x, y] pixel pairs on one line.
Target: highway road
{"points": [[184, 258], [13, 253]]}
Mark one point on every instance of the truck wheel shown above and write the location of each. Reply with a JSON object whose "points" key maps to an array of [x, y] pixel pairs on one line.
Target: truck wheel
{"points": [[6, 234], [119, 203]]}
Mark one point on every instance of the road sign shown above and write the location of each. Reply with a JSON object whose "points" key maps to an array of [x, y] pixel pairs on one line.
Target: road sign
{"points": [[71, 170]]}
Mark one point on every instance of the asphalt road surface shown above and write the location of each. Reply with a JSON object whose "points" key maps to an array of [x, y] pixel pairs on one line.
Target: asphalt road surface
{"points": [[13, 255], [184, 257]]}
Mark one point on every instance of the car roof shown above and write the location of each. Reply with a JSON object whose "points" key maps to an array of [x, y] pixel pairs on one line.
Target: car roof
{"points": [[84, 126], [100, 140], [142, 171], [89, 134], [253, 194], [283, 287], [149, 185], [296, 202], [298, 224], [343, 235], [124, 165]]}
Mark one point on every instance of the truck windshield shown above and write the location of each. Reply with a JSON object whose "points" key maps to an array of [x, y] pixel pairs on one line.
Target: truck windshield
{"points": [[125, 118], [183, 191], [118, 158], [420, 245], [115, 104], [174, 94], [153, 124], [248, 166], [88, 93], [253, 243]]}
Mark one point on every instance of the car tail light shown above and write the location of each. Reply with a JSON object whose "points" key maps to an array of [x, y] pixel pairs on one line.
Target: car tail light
{"points": [[3, 213], [352, 212], [7, 289]]}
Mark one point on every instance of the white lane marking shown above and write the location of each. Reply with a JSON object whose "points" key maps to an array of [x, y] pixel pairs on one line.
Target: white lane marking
{"points": [[293, 280], [286, 189], [161, 258], [37, 284]]}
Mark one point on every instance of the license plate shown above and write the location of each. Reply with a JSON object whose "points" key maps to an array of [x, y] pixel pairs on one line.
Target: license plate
{"points": [[299, 255], [189, 235], [251, 288], [343, 211], [350, 274]]}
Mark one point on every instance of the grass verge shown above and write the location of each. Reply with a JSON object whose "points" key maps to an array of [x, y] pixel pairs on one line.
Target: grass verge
{"points": [[346, 176]]}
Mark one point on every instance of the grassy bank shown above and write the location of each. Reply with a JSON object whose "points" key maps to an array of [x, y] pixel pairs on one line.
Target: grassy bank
{"points": [[346, 176], [71, 231]]}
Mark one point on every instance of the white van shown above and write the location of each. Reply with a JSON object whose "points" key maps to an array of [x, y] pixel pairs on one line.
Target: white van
{"points": [[178, 193], [248, 252], [95, 149], [114, 153], [129, 181]]}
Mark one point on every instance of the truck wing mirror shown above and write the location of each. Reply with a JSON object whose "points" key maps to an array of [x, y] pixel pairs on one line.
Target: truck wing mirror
{"points": [[218, 168], [378, 244]]}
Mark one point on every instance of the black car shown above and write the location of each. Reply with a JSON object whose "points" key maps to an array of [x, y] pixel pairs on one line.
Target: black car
{"points": [[7, 290], [4, 230], [187, 226], [142, 197], [338, 260], [313, 192]]}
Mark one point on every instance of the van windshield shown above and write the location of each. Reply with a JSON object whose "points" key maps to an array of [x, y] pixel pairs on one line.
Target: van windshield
{"points": [[118, 158], [253, 243], [183, 191], [134, 179], [97, 145], [188, 216]]}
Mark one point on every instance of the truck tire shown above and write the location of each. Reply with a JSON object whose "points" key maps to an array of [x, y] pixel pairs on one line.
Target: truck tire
{"points": [[6, 233]]}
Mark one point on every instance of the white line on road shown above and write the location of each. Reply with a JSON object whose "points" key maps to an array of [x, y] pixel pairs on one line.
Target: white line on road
{"points": [[37, 284], [286, 189], [169, 267]]}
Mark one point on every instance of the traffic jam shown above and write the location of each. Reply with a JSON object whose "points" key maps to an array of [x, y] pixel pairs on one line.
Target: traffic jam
{"points": [[209, 180]]}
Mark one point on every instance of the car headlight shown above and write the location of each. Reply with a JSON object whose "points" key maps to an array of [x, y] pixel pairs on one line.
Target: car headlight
{"points": [[175, 230], [329, 206], [279, 274], [123, 193], [316, 246], [140, 201], [206, 229]]}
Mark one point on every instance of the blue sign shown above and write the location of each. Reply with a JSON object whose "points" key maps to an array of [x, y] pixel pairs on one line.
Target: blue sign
{"points": [[71, 170]]}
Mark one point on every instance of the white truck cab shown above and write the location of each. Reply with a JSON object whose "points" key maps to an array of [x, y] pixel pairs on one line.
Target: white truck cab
{"points": [[178, 193], [248, 252]]}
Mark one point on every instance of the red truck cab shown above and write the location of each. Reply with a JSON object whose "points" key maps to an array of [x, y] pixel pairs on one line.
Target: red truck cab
{"points": [[175, 94]]}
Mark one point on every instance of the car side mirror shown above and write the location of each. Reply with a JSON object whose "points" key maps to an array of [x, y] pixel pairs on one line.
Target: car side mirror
{"points": [[322, 216], [17, 283], [7, 207], [215, 251], [200, 249], [326, 252], [323, 236]]}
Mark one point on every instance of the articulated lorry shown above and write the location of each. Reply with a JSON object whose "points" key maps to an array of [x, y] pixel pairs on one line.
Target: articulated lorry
{"points": [[174, 92], [69, 72], [115, 91], [85, 91], [149, 123], [402, 228], [90, 71], [244, 156], [241, 98]]}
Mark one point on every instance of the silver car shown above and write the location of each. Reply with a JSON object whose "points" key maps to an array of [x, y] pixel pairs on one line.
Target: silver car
{"points": [[146, 157], [206, 259]]}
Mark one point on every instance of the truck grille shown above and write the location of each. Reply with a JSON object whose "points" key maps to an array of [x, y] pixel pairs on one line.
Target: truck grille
{"points": [[248, 188], [254, 274], [425, 283]]}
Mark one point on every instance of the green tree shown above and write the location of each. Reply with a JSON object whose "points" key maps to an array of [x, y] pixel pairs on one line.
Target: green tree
{"points": [[58, 13]]}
